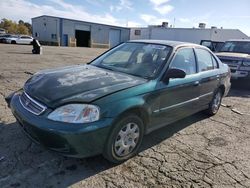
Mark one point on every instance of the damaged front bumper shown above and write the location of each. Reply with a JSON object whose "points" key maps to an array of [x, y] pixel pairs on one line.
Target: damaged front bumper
{"points": [[74, 140]]}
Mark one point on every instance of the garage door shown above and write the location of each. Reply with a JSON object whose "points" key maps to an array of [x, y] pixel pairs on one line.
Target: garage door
{"points": [[114, 37]]}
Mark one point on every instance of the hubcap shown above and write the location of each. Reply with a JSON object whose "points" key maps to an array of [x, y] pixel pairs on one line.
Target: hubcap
{"points": [[126, 139], [216, 102]]}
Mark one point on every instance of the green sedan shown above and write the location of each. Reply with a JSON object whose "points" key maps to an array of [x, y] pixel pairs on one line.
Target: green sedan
{"points": [[108, 105]]}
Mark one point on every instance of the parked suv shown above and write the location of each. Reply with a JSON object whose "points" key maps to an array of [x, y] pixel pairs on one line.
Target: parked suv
{"points": [[236, 54]]}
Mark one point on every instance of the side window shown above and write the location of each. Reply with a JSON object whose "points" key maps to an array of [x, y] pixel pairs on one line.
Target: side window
{"points": [[215, 63], [205, 61], [185, 60]]}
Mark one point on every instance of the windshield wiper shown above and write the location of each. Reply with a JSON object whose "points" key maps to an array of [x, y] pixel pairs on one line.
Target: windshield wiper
{"points": [[105, 67], [140, 76]]}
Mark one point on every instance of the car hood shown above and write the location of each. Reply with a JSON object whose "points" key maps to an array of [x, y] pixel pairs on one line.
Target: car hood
{"points": [[233, 55], [84, 84]]}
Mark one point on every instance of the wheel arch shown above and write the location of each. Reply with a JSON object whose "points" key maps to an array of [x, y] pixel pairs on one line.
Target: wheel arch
{"points": [[222, 88], [139, 111]]}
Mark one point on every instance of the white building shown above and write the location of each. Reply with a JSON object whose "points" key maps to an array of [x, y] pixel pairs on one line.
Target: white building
{"points": [[66, 32], [194, 35]]}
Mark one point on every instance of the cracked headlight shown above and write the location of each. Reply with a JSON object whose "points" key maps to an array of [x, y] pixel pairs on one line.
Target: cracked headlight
{"points": [[75, 113]]}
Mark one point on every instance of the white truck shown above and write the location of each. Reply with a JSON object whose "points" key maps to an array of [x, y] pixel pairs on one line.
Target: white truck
{"points": [[236, 54]]}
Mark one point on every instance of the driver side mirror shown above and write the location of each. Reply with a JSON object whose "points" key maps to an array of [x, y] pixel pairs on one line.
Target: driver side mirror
{"points": [[174, 73]]}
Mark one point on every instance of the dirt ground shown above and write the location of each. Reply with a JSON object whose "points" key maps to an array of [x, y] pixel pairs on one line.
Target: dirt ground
{"points": [[195, 152]]}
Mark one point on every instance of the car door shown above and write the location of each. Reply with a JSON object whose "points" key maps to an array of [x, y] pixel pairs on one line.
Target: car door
{"points": [[23, 40], [179, 97], [19, 40], [28, 40], [209, 75]]}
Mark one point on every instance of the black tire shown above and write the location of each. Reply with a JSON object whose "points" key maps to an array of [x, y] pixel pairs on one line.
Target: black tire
{"points": [[110, 152], [215, 104], [13, 42]]}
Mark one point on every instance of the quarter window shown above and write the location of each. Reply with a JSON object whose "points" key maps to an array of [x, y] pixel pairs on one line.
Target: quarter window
{"points": [[205, 61], [185, 60], [215, 62]]}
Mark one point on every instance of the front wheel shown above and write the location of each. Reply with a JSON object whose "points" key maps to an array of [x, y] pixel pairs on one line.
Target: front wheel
{"points": [[125, 139], [215, 103]]}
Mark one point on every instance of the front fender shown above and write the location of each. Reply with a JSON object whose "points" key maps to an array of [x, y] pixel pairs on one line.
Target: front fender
{"points": [[116, 108]]}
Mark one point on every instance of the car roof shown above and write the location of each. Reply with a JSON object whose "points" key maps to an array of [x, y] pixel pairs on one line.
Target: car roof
{"points": [[174, 44]]}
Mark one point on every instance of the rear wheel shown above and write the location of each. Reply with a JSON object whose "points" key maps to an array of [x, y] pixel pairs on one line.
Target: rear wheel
{"points": [[125, 139], [215, 103], [13, 42]]}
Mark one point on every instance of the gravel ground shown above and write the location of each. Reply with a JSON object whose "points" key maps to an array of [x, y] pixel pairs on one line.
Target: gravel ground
{"points": [[195, 152]]}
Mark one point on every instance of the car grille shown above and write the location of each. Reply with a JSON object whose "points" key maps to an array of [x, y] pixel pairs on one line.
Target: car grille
{"points": [[233, 64], [31, 105]]}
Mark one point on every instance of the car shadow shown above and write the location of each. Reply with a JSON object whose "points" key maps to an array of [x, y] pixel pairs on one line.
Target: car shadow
{"points": [[25, 163], [241, 84], [34, 160], [239, 88], [168, 131]]}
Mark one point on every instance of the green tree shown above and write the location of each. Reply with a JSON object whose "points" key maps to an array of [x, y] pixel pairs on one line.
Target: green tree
{"points": [[22, 29], [16, 28], [20, 22], [28, 25]]}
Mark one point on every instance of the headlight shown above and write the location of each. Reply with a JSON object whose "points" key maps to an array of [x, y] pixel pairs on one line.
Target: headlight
{"points": [[76, 113], [246, 63]]}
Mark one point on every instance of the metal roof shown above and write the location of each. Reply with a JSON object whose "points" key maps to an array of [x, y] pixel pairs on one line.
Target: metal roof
{"points": [[114, 26]]}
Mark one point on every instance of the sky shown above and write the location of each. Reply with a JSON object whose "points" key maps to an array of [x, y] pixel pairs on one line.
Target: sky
{"points": [[229, 14]]}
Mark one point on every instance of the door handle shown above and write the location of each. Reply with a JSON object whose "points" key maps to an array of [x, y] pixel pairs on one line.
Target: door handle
{"points": [[196, 83]]}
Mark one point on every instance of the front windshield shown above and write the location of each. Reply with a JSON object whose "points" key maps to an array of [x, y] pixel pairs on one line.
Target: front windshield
{"points": [[138, 59], [236, 46]]}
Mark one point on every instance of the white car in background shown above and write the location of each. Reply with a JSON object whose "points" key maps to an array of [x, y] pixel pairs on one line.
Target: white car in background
{"points": [[21, 39]]}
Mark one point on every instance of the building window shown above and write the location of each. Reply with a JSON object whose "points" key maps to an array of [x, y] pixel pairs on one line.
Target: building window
{"points": [[36, 34], [137, 32], [53, 36]]}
